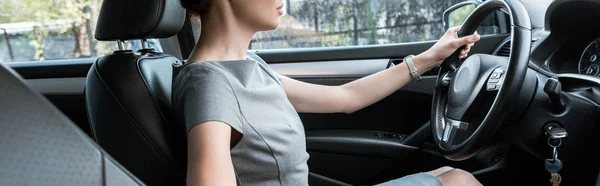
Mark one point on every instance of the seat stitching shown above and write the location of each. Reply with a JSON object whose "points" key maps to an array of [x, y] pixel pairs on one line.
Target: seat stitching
{"points": [[87, 107], [130, 118], [152, 96], [155, 21]]}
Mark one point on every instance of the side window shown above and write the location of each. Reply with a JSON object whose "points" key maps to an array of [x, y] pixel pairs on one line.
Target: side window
{"points": [[39, 30], [329, 23]]}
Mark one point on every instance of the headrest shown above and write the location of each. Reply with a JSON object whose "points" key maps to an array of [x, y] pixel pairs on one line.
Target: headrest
{"points": [[139, 19]]}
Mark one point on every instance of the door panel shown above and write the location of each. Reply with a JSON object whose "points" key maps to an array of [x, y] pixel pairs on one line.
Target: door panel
{"points": [[62, 83], [336, 166], [73, 106], [331, 69], [53, 69], [58, 86], [422, 86], [358, 142]]}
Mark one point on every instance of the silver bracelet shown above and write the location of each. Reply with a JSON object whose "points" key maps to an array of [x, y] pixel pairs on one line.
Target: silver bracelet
{"points": [[411, 67]]}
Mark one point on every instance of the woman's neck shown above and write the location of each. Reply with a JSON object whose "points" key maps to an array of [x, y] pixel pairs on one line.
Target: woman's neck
{"points": [[222, 38]]}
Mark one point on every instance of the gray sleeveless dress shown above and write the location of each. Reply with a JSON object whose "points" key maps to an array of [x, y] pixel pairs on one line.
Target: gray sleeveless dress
{"points": [[248, 96]]}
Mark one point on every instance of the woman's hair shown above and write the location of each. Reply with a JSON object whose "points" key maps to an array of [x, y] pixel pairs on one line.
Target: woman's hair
{"points": [[196, 8]]}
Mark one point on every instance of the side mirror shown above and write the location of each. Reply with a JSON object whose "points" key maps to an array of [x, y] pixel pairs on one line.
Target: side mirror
{"points": [[456, 14]]}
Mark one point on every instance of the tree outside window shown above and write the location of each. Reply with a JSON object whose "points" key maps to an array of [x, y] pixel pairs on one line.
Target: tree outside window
{"points": [[38, 30], [325, 23]]}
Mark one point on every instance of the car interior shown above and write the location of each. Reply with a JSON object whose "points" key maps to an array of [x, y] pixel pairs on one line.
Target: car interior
{"points": [[524, 105]]}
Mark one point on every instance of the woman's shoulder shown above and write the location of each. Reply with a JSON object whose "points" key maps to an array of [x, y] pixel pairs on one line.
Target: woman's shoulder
{"points": [[190, 68], [198, 73], [263, 64], [255, 57]]}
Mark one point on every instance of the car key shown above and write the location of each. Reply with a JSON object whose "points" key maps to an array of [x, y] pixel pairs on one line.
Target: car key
{"points": [[553, 165], [556, 132]]}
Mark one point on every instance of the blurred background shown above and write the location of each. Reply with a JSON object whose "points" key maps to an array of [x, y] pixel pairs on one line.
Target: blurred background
{"points": [[38, 30]]}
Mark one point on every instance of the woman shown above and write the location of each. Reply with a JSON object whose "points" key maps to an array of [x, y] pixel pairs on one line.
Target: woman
{"points": [[241, 117]]}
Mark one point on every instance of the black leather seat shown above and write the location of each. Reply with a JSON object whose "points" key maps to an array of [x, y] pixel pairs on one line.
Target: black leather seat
{"points": [[128, 93], [41, 146]]}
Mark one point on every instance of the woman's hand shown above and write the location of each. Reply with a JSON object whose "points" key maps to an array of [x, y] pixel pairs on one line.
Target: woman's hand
{"points": [[449, 43], [360, 93]]}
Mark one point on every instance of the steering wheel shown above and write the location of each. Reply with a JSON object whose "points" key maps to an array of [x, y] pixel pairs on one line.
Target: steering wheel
{"points": [[471, 99]]}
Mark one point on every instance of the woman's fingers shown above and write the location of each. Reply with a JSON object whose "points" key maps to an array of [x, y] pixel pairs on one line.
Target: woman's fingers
{"points": [[464, 52], [454, 29]]}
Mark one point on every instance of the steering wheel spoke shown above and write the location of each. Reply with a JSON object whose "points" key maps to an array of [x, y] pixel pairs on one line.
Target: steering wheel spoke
{"points": [[446, 78], [452, 128]]}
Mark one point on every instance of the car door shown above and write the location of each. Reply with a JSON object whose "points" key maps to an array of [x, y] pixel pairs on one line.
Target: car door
{"points": [[321, 42]]}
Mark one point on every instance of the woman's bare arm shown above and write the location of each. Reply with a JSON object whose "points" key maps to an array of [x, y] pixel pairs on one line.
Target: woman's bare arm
{"points": [[355, 95], [346, 98], [209, 158]]}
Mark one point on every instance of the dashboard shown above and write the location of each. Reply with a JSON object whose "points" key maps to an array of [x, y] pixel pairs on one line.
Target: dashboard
{"points": [[588, 63], [566, 47], [571, 43], [580, 55]]}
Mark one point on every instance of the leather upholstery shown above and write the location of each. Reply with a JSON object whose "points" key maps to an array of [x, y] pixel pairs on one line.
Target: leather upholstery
{"points": [[139, 19], [128, 94], [128, 97], [41, 146]]}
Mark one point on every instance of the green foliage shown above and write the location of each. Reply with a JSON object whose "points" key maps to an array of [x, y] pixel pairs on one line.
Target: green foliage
{"points": [[458, 16], [363, 22], [51, 18], [40, 10]]}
